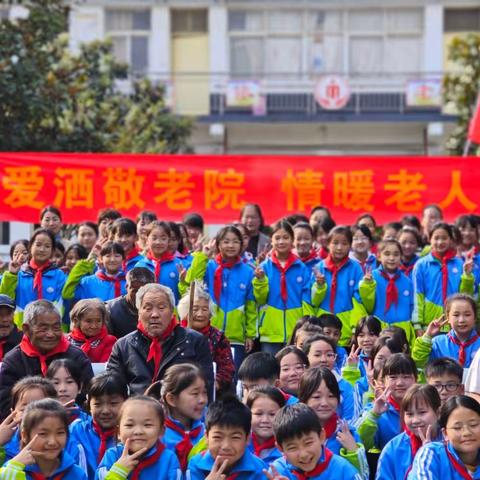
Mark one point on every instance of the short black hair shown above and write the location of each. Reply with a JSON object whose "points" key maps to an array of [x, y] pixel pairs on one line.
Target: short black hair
{"points": [[140, 274], [456, 402], [106, 383], [316, 338], [112, 247], [311, 381], [108, 214], [259, 365], [124, 226], [292, 349], [293, 421], [329, 320], [229, 412], [399, 364], [444, 366], [194, 220]]}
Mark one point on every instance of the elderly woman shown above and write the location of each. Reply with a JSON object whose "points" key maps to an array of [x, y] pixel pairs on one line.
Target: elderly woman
{"points": [[202, 311], [141, 357], [42, 342]]}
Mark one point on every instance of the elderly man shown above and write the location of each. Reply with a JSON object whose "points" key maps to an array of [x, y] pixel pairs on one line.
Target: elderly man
{"points": [[141, 357], [123, 311], [42, 342]]}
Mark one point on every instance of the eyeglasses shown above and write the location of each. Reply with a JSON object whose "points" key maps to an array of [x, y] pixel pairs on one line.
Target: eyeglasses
{"points": [[449, 387], [470, 427]]}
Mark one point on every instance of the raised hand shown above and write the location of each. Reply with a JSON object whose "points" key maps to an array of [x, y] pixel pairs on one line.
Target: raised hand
{"points": [[259, 272], [274, 475], [28, 455], [435, 326], [354, 356], [217, 470], [345, 438], [130, 461], [209, 248], [182, 272], [249, 344], [8, 428], [369, 372], [367, 278], [380, 405], [15, 264], [263, 254], [468, 264], [319, 277], [427, 436]]}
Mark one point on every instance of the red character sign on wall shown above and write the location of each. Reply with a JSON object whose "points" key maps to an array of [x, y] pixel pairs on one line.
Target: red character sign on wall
{"points": [[332, 92]]}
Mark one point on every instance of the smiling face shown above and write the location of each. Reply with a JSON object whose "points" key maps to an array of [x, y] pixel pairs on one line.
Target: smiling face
{"points": [[6, 321], [251, 219], [321, 354], [65, 385], [461, 317], [366, 340], [419, 416], [339, 246], [158, 241], [304, 451], [227, 443], [282, 242], [360, 243], [51, 222], [41, 249], [71, 259], [230, 246], [323, 402], [469, 236], [291, 371], [30, 395], [463, 431], [91, 322], [46, 331], [390, 257], [190, 403], [126, 240], [409, 244], [263, 412], [87, 237], [201, 313], [105, 409], [112, 262], [20, 252], [303, 242], [440, 241], [52, 437], [398, 385]]}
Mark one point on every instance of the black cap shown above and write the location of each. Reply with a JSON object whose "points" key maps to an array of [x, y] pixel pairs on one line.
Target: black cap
{"points": [[6, 301]]}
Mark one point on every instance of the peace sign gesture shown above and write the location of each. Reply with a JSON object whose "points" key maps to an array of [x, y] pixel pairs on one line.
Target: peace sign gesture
{"points": [[468, 264], [319, 276], [274, 475], [345, 437], [28, 455], [209, 248], [130, 461], [435, 326], [427, 436], [15, 264], [217, 470], [367, 278], [380, 405], [8, 427], [354, 356], [259, 272]]}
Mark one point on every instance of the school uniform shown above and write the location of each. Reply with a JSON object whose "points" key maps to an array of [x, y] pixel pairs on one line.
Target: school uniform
{"points": [[283, 296], [131, 259], [101, 285], [397, 457], [361, 395], [166, 270], [389, 297], [181, 441], [329, 467], [370, 263], [249, 467], [159, 463], [434, 280], [341, 357], [266, 451], [311, 260], [426, 349], [67, 470], [439, 460], [346, 407], [97, 348], [78, 415], [32, 284], [407, 267], [186, 259], [92, 442], [339, 294]]}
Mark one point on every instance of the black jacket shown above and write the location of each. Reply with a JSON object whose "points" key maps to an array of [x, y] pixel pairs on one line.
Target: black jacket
{"points": [[129, 357], [11, 341], [17, 365], [123, 317]]}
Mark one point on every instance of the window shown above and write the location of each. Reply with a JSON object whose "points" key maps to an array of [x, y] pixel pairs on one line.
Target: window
{"points": [[130, 34], [189, 21], [462, 20]]}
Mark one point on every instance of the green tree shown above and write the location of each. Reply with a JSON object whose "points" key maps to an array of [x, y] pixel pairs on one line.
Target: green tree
{"points": [[53, 100], [461, 88]]}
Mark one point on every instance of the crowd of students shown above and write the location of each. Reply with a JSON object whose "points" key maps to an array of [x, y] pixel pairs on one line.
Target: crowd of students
{"points": [[339, 351]]}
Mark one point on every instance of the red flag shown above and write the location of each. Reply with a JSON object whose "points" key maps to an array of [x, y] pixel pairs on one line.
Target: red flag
{"points": [[474, 129]]}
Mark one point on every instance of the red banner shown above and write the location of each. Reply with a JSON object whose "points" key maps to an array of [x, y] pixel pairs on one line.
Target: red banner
{"points": [[218, 186]]}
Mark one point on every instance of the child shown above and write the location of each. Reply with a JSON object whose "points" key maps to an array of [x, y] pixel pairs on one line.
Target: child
{"points": [[293, 363], [410, 241], [144, 219], [320, 233], [228, 423], [387, 292], [124, 232], [67, 380], [303, 243], [141, 455], [437, 276], [381, 420], [419, 414], [73, 254], [461, 342], [194, 225], [304, 332], [177, 247], [458, 457], [320, 351], [468, 228], [184, 397], [89, 331], [362, 243], [10, 336], [40, 279], [446, 376], [105, 219], [44, 435], [319, 390], [264, 403], [58, 256], [87, 235], [391, 230], [261, 369], [159, 259], [332, 328], [229, 282], [300, 437], [95, 434], [336, 287], [106, 283], [282, 289], [24, 392], [202, 311]]}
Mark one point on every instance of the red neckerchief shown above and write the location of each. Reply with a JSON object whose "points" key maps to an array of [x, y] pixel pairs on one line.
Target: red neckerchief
{"points": [[283, 271], [79, 336], [116, 280], [259, 446], [218, 275], [462, 345], [104, 435], [147, 462], [313, 255], [415, 442], [132, 254], [285, 395], [166, 257], [320, 468], [330, 426], [334, 268], [459, 467], [41, 476], [406, 268], [233, 476], [322, 253], [449, 254], [205, 330], [155, 352], [392, 290], [393, 403], [37, 276], [28, 349], [185, 445], [2, 343]]}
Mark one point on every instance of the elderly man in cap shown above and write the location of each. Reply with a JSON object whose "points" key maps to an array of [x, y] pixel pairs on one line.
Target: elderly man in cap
{"points": [[9, 335], [42, 342]]}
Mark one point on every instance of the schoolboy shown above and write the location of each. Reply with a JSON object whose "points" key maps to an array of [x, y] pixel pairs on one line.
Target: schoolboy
{"points": [[227, 425], [299, 435], [446, 375], [332, 328], [261, 369]]}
